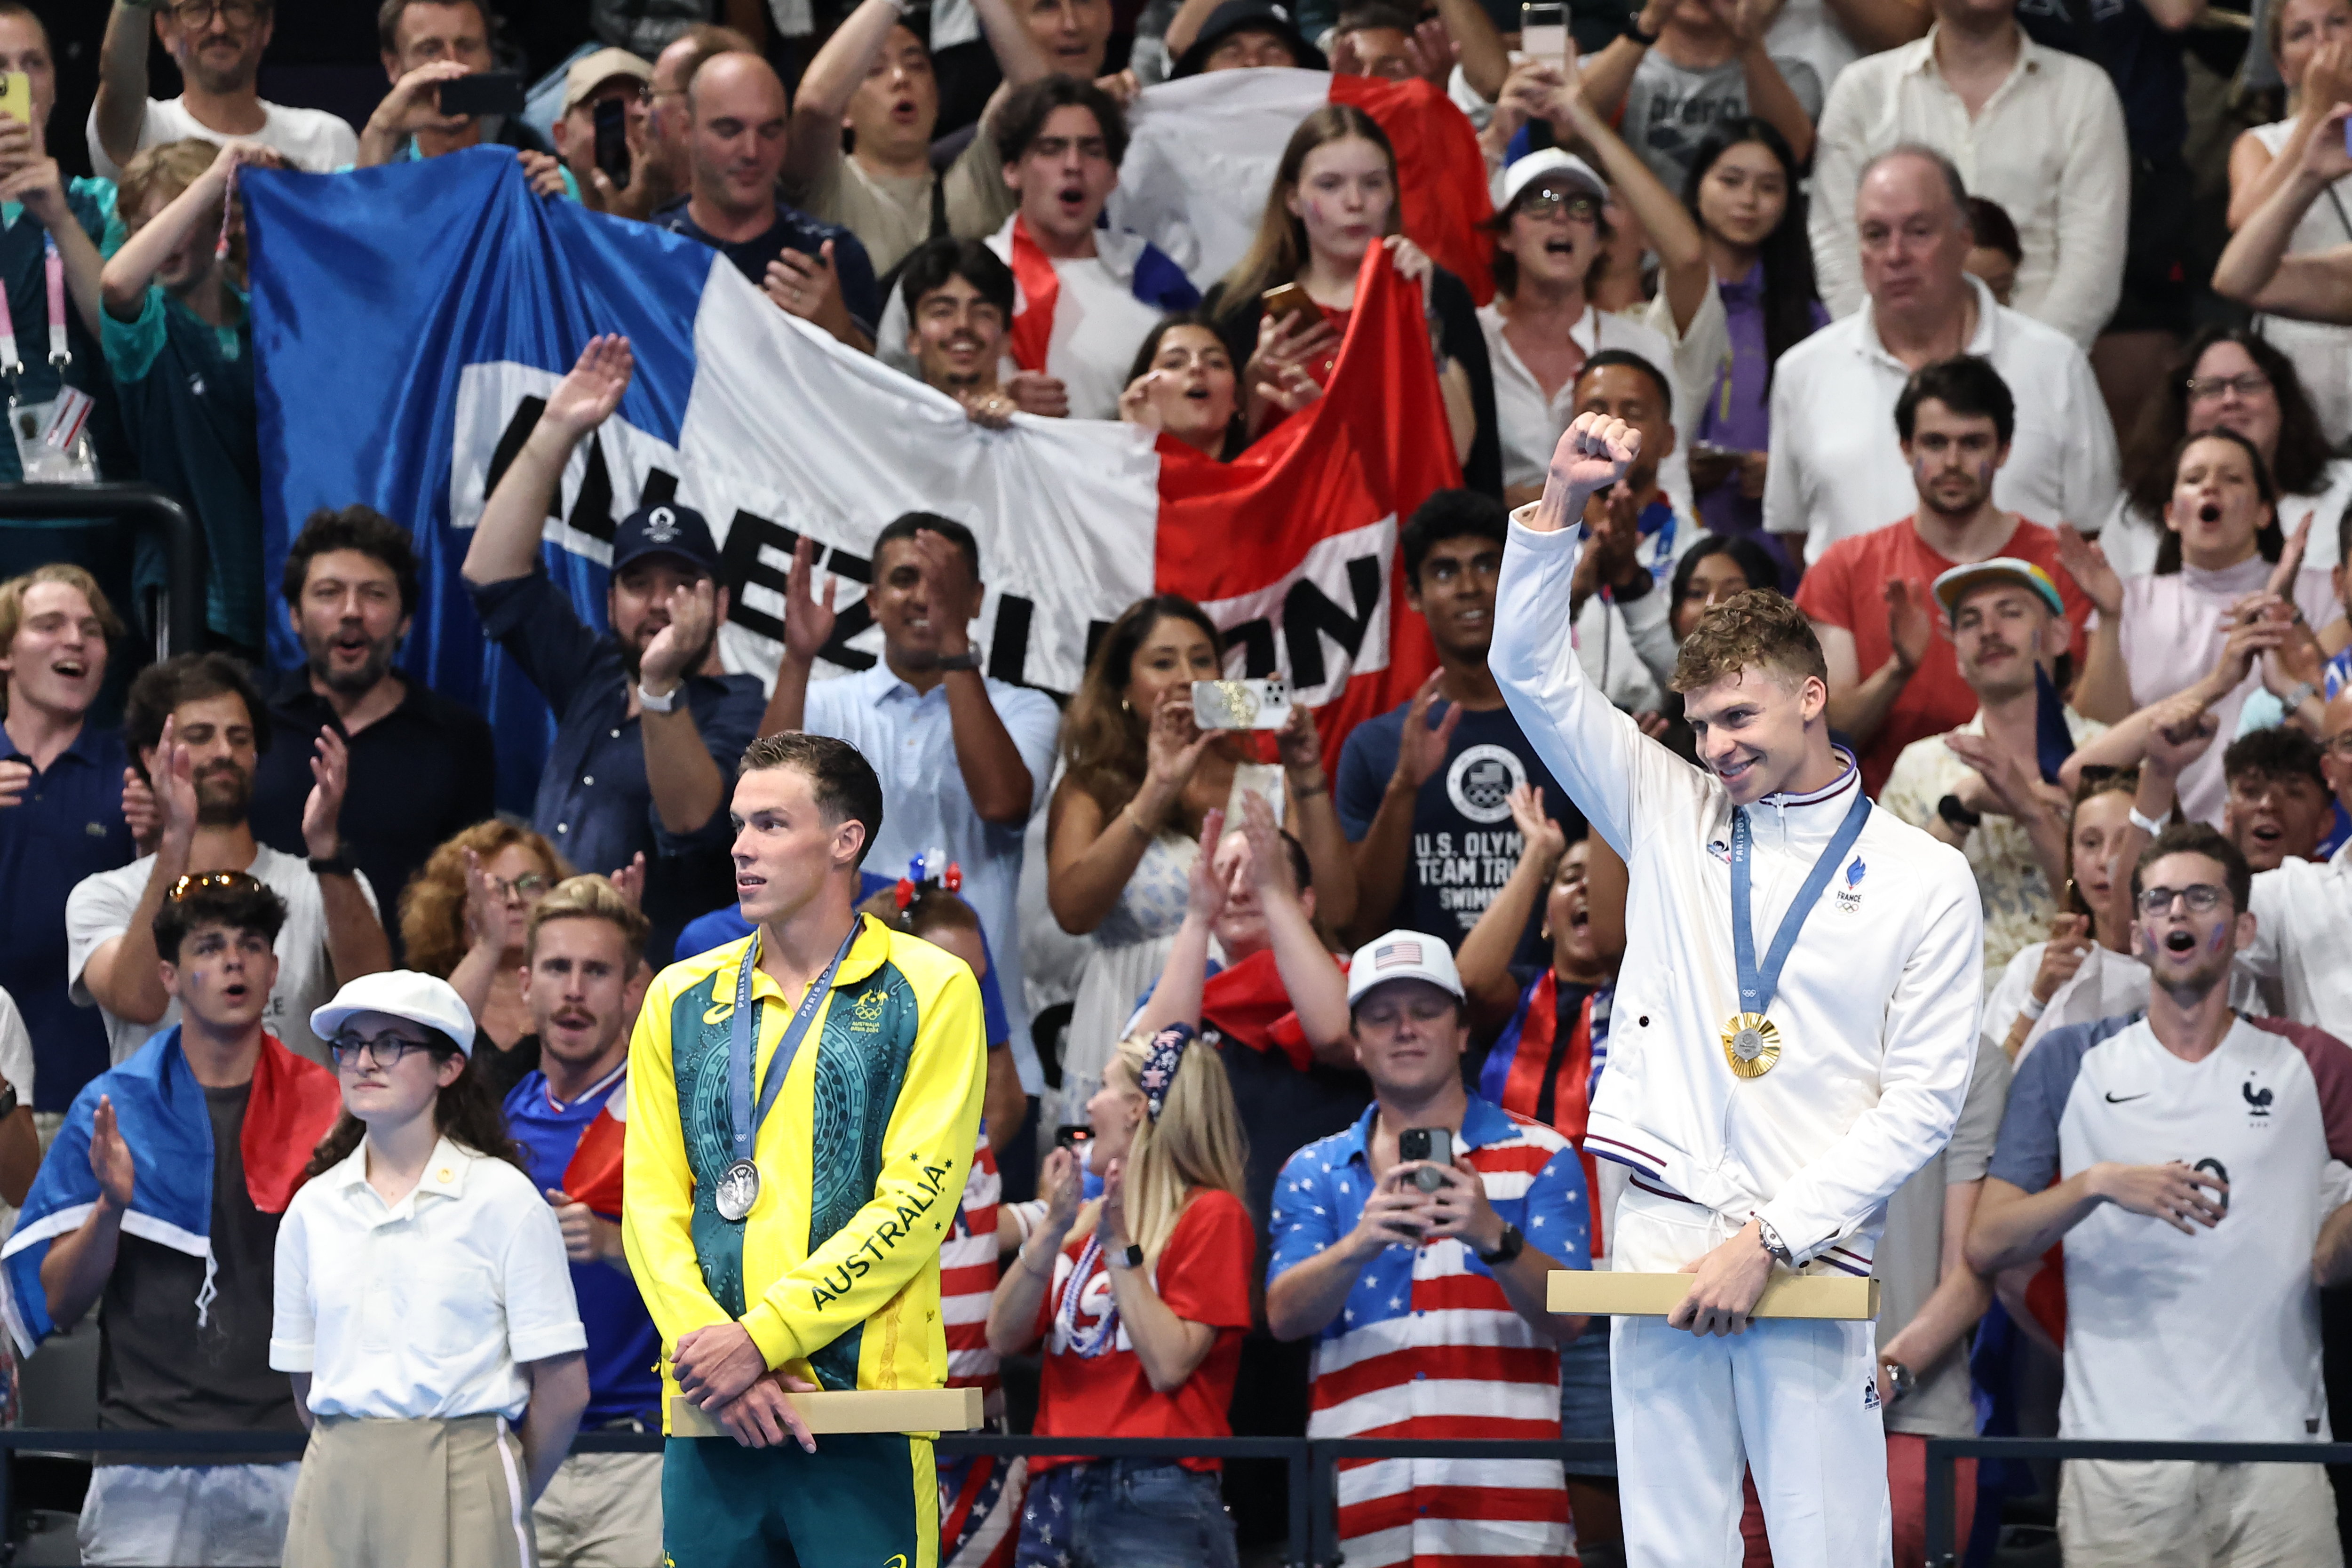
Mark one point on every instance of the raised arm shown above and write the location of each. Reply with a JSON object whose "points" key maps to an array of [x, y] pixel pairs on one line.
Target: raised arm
{"points": [[2256, 268], [75, 1271], [1674, 235], [120, 110], [1176, 998], [356, 942], [1317, 990], [814, 142], [1090, 856], [123, 285], [1877, 25], [2094, 211], [1858, 704], [122, 973], [506, 541], [2254, 173], [30, 176], [1385, 850], [1484, 960], [1840, 148], [1769, 97]]}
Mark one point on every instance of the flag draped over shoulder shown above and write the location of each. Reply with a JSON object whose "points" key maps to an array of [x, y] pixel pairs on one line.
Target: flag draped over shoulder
{"points": [[1203, 152], [159, 1110], [410, 321]]}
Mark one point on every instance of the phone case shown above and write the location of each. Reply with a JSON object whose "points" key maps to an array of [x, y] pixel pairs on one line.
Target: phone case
{"points": [[1241, 704]]}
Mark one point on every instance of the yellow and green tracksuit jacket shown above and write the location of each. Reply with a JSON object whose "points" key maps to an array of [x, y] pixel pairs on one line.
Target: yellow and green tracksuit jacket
{"points": [[835, 1272]]}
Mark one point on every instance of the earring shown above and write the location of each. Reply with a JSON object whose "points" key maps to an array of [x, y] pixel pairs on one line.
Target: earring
{"points": [[1543, 931]]}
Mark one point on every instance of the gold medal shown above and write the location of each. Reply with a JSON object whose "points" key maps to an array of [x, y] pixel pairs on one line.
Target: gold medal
{"points": [[1751, 1044]]}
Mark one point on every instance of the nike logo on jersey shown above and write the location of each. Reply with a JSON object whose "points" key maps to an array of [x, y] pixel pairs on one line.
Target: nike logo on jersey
{"points": [[2115, 1099]]}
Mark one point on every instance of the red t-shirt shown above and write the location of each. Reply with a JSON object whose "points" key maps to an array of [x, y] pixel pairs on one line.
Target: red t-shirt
{"points": [[1204, 1275], [1845, 588]]}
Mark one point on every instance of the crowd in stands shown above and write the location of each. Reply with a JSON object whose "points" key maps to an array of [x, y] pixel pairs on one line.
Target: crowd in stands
{"points": [[314, 1063]]}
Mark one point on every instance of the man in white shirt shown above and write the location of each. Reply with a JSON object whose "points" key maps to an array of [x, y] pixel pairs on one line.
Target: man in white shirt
{"points": [[964, 759], [2184, 1159], [196, 727], [217, 45], [2302, 946], [1767, 1111], [2038, 132], [1836, 469]]}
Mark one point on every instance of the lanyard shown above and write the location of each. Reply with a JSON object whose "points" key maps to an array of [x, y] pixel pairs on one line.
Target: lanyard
{"points": [[12, 364], [1756, 987], [742, 1041]]}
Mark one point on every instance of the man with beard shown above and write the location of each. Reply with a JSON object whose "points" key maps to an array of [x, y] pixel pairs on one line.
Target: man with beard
{"points": [[422, 766], [959, 298], [1893, 678], [647, 718], [197, 728], [2184, 1159], [217, 45]]}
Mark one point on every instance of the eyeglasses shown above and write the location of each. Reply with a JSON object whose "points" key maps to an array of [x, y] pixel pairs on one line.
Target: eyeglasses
{"points": [[236, 13], [530, 885], [385, 1050], [2213, 388], [1544, 201], [208, 882], [2202, 899], [2340, 746]]}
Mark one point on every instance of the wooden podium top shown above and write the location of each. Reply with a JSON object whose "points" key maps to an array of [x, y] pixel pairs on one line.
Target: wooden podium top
{"points": [[856, 1410], [1605, 1293]]}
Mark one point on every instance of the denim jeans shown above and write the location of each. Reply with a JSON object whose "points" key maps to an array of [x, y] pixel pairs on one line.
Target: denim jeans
{"points": [[1124, 1513]]}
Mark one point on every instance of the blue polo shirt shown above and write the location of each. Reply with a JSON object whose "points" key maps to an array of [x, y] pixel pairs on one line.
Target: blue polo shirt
{"points": [[594, 804], [67, 826], [623, 1346]]}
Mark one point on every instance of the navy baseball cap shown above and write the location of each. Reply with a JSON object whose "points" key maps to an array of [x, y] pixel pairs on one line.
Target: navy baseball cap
{"points": [[665, 529], [1249, 15]]}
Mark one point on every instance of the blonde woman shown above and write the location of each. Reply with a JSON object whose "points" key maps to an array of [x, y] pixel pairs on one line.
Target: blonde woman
{"points": [[1142, 1297]]}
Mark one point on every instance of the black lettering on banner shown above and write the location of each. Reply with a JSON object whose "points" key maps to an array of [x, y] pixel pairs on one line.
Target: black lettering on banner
{"points": [[1008, 649], [740, 563], [591, 508], [1256, 639], [1308, 617], [1096, 632], [661, 489], [509, 446]]}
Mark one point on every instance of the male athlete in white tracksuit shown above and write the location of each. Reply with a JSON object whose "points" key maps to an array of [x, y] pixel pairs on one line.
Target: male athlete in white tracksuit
{"points": [[1740, 1169]]}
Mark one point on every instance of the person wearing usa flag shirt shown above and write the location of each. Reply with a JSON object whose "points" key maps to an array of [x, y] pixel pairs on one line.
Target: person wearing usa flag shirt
{"points": [[580, 958], [1767, 1109], [1422, 1281], [160, 1202]]}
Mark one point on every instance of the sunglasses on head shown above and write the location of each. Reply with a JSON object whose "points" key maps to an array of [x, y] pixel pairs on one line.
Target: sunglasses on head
{"points": [[206, 881]]}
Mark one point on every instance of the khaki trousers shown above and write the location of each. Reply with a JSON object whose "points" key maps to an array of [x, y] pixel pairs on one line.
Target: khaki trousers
{"points": [[602, 1511], [411, 1494]]}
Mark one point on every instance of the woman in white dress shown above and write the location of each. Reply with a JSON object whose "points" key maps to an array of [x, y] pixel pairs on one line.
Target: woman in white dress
{"points": [[1125, 823], [2085, 971], [2312, 42]]}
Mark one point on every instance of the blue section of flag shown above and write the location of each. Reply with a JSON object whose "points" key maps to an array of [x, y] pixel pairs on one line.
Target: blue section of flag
{"points": [[372, 290], [2054, 743]]}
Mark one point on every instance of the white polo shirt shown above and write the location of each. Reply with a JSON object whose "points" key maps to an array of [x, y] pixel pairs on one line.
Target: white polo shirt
{"points": [[2302, 940], [426, 1308], [1837, 466], [2212, 1335]]}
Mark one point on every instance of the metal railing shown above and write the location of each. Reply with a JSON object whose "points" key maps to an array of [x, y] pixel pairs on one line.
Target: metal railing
{"points": [[181, 627], [1942, 1453]]}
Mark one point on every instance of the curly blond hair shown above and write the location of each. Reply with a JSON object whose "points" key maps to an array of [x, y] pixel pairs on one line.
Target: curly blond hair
{"points": [[433, 905], [1759, 628]]}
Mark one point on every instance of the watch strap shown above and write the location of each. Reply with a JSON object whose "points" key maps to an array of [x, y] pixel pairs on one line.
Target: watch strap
{"points": [[665, 703], [1514, 1242], [1131, 1259], [334, 865], [968, 659]]}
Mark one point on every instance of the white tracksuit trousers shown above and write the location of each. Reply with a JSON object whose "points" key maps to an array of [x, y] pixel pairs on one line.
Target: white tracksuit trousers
{"points": [[1795, 1400]]}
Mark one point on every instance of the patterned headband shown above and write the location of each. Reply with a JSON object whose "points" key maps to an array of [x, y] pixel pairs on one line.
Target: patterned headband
{"points": [[1160, 1059]]}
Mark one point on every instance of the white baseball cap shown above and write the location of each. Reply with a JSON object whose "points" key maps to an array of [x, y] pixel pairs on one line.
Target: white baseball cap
{"points": [[402, 993], [1402, 955], [1550, 161]]}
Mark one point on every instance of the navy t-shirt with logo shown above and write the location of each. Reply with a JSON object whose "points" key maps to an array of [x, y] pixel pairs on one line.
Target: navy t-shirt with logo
{"points": [[1464, 844]]}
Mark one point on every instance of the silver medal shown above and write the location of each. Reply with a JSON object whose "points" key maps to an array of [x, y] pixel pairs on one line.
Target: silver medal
{"points": [[739, 1189], [1746, 1045]]}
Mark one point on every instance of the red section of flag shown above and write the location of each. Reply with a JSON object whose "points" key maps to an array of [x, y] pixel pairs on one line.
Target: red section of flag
{"points": [[1370, 449], [1441, 173], [1041, 288], [594, 1177], [294, 1103]]}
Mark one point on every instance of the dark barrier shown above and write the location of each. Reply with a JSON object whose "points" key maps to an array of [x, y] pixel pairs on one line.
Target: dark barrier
{"points": [[1943, 1451], [142, 506]]}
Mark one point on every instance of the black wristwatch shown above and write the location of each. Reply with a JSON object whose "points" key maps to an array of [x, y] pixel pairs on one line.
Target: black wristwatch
{"points": [[332, 865], [968, 659], [1131, 1259], [7, 1101], [1950, 809], [1633, 30], [1513, 1243]]}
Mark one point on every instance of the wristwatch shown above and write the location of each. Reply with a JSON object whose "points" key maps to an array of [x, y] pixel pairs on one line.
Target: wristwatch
{"points": [[2300, 694], [332, 865], [1901, 1379], [1770, 1239], [1131, 1259], [1633, 29], [1950, 809], [1514, 1242], [665, 703], [968, 659], [7, 1101]]}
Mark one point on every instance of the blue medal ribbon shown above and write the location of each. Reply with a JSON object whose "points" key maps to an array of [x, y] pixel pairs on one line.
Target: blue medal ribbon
{"points": [[1757, 985], [742, 1041]]}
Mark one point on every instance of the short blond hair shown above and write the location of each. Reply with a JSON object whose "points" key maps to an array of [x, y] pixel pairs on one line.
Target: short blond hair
{"points": [[13, 592], [588, 896], [167, 168], [1761, 628]]}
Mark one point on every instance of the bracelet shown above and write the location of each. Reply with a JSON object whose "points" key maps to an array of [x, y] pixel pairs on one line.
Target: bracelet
{"points": [[1308, 792], [2297, 695], [1047, 1275], [2147, 824], [1127, 815], [2032, 1007]]}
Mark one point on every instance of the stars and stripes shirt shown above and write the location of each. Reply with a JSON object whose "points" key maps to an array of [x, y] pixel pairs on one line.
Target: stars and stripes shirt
{"points": [[1428, 1346], [980, 1494]]}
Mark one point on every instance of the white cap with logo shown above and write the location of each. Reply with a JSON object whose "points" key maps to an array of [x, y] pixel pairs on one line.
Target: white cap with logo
{"points": [[402, 993], [1402, 955]]}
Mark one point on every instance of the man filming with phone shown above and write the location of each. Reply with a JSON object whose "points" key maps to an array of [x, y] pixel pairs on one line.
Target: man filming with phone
{"points": [[1423, 1235], [429, 48]]}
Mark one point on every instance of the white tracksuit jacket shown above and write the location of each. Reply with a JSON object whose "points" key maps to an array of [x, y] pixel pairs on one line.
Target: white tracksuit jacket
{"points": [[1878, 1008]]}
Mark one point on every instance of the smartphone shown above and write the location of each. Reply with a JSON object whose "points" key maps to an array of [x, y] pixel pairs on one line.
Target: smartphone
{"points": [[612, 141], [1241, 704], [484, 92], [1543, 30], [1434, 1144], [1074, 1139], [1290, 300], [17, 97]]}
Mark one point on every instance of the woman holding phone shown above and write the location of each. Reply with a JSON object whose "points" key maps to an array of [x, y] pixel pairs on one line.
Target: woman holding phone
{"points": [[1283, 309], [1141, 1297]]}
